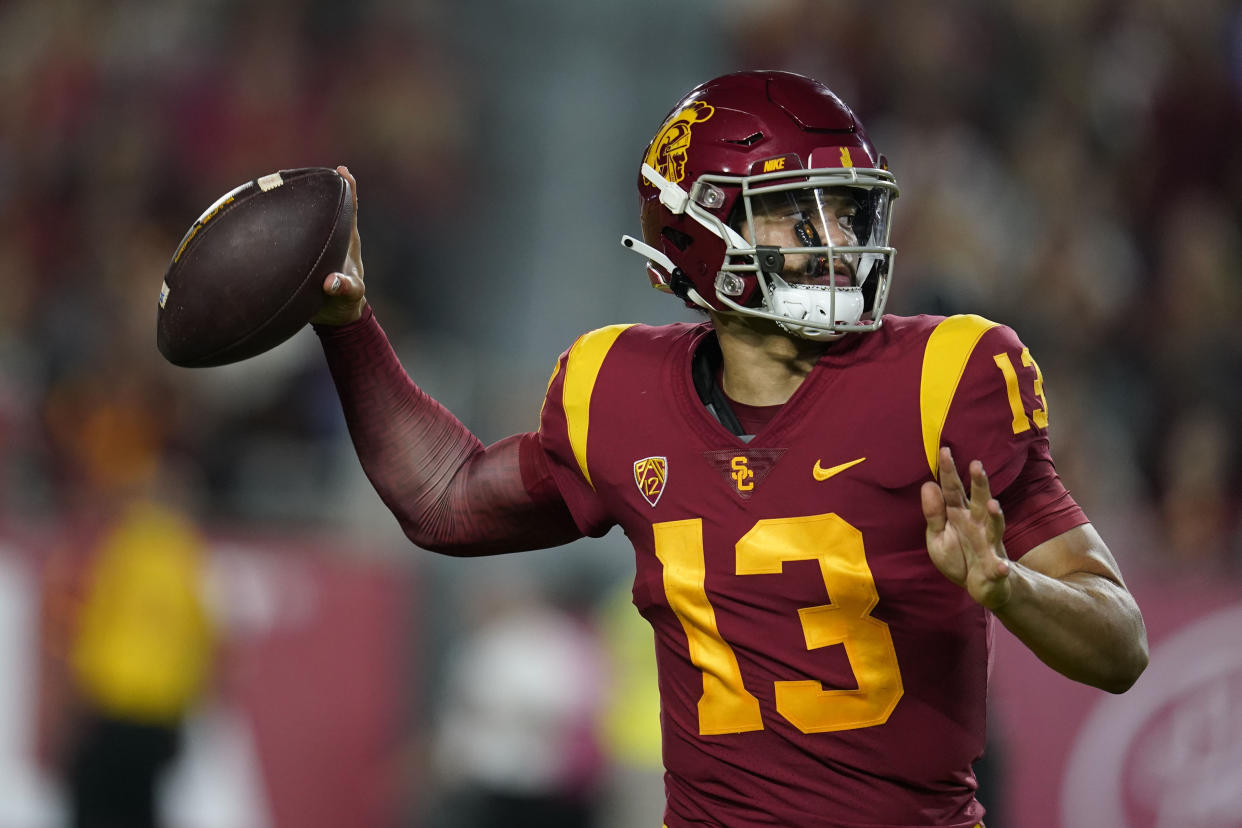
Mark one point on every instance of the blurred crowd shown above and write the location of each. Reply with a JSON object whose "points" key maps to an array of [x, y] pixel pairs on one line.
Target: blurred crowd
{"points": [[1068, 167], [1071, 169], [121, 123]]}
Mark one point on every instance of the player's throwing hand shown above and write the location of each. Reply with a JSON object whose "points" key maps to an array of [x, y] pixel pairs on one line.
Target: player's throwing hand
{"points": [[344, 291], [964, 534]]}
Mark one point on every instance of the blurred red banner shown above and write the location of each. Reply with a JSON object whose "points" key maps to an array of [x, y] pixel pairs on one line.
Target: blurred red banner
{"points": [[1166, 753]]}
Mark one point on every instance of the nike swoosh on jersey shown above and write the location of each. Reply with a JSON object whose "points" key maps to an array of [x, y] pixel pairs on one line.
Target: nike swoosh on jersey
{"points": [[821, 474]]}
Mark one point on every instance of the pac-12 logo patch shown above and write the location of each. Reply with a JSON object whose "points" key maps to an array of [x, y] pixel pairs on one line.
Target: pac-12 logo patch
{"points": [[650, 473], [667, 154]]}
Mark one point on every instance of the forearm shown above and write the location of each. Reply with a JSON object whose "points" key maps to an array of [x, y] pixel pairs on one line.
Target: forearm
{"points": [[449, 493], [1083, 625]]}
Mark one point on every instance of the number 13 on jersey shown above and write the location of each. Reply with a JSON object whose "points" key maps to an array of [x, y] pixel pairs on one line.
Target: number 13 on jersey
{"points": [[726, 705]]}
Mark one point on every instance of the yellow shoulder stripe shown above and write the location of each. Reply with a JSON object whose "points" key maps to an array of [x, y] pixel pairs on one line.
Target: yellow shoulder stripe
{"points": [[586, 357], [556, 369], [948, 349]]}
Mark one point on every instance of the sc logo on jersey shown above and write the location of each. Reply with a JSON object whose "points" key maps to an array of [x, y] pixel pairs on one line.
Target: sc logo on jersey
{"points": [[742, 474]]}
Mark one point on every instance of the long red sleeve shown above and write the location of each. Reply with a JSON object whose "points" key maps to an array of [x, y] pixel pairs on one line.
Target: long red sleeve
{"points": [[449, 492]]}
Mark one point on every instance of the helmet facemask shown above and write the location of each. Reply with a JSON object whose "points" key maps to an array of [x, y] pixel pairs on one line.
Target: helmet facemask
{"points": [[818, 248]]}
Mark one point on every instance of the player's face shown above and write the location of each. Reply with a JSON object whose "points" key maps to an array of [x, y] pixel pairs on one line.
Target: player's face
{"points": [[809, 218]]}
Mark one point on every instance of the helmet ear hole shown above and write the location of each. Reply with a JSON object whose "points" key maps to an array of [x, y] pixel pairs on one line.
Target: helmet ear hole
{"points": [[737, 214], [677, 238]]}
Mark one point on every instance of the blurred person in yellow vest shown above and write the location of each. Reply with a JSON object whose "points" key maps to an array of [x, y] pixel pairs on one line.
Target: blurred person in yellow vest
{"points": [[139, 659], [630, 724]]}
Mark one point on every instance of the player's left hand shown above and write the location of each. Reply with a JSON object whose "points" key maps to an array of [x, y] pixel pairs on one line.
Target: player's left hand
{"points": [[964, 533]]}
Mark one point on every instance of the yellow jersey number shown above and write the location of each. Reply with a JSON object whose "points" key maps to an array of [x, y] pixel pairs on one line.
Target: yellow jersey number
{"points": [[1021, 422], [726, 706]]}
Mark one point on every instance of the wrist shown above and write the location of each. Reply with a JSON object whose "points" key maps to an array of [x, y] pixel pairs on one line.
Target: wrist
{"points": [[343, 322], [1010, 590], [342, 317]]}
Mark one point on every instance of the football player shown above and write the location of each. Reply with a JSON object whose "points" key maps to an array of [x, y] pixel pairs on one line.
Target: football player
{"points": [[829, 506]]}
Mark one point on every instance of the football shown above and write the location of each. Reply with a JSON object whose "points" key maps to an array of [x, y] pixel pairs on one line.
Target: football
{"points": [[249, 273]]}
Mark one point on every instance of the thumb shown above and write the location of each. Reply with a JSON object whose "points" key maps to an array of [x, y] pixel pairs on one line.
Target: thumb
{"points": [[934, 510], [342, 286], [343, 300]]}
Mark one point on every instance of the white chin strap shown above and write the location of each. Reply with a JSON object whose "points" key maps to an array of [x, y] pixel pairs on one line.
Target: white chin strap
{"points": [[815, 303]]}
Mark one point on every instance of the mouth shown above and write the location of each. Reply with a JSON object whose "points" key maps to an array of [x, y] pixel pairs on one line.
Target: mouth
{"points": [[839, 277]]}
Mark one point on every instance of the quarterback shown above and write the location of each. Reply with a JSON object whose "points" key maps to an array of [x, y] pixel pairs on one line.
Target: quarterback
{"points": [[830, 506]]}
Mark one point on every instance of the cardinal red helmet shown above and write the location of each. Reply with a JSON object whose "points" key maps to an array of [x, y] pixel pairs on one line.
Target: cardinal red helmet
{"points": [[761, 195]]}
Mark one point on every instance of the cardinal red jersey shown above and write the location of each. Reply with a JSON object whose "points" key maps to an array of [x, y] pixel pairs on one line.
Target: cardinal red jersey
{"points": [[815, 669]]}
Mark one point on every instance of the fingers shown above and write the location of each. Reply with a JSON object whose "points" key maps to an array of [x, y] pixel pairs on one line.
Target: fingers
{"points": [[980, 492], [344, 172], [974, 525], [996, 525], [344, 291], [980, 510], [983, 507], [950, 482], [353, 257], [934, 510], [955, 491]]}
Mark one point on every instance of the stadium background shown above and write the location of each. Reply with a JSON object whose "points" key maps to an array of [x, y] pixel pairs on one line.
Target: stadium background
{"points": [[1069, 167]]}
